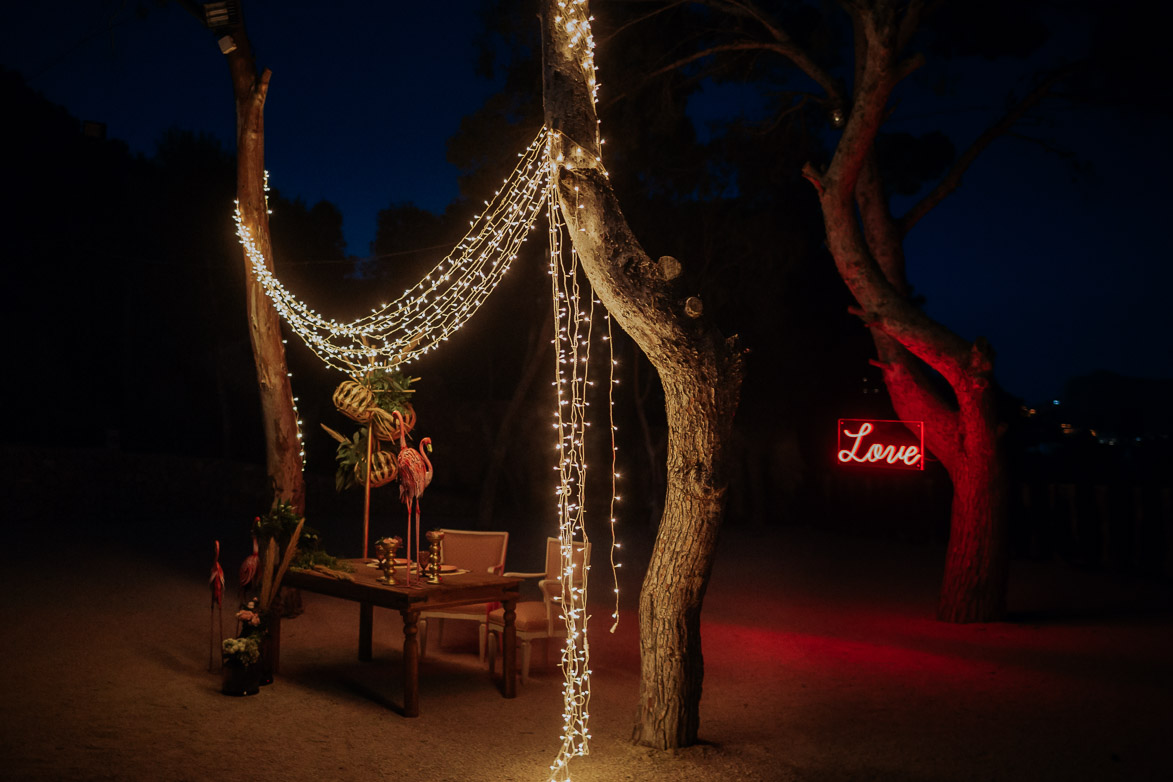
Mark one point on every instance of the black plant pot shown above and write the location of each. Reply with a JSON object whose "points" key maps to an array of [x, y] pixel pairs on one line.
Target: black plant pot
{"points": [[265, 665], [239, 679]]}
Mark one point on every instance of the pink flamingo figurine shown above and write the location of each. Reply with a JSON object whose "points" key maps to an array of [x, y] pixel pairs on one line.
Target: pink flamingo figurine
{"points": [[415, 473], [216, 582], [248, 568]]}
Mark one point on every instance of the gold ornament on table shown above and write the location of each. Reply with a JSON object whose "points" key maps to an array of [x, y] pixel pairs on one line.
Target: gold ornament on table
{"points": [[385, 548], [434, 538]]}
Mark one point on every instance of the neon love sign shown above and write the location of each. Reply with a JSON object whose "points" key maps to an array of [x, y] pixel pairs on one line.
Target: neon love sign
{"points": [[894, 444]]}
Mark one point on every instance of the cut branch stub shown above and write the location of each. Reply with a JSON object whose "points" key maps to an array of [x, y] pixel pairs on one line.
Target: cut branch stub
{"points": [[694, 307], [670, 268], [354, 400]]}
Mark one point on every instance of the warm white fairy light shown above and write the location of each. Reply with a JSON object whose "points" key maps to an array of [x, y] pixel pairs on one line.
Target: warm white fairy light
{"points": [[442, 302], [296, 413], [611, 383], [574, 320], [577, 22], [572, 331]]}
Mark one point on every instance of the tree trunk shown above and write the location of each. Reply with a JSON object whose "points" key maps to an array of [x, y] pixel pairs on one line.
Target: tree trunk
{"points": [[966, 440], [283, 446], [700, 412], [976, 566], [701, 373]]}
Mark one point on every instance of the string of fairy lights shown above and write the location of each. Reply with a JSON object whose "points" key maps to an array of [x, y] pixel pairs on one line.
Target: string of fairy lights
{"points": [[572, 340], [438, 305], [444, 300], [573, 328]]}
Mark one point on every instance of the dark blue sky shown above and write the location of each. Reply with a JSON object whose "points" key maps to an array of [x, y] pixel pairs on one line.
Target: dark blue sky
{"points": [[1064, 273], [363, 99]]}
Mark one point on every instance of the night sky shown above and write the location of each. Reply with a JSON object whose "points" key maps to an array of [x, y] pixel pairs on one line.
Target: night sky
{"points": [[1066, 271]]}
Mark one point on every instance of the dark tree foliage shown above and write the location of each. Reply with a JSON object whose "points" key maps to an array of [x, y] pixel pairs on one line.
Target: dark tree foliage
{"points": [[121, 272]]}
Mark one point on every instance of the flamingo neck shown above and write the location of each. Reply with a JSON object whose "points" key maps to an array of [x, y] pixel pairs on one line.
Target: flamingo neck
{"points": [[424, 443], [402, 429]]}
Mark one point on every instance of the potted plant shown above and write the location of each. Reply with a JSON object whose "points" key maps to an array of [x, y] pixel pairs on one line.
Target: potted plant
{"points": [[240, 673], [275, 544]]}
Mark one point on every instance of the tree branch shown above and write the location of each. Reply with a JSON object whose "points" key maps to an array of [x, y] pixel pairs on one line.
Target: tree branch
{"points": [[741, 46], [880, 230], [789, 49], [915, 399], [812, 176], [639, 19], [909, 24], [952, 178]]}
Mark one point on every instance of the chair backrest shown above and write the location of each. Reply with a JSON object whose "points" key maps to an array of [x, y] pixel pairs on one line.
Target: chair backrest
{"points": [[551, 585], [474, 550], [582, 558]]}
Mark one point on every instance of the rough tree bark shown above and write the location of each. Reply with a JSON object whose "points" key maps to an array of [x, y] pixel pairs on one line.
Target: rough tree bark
{"points": [[701, 372], [282, 445]]}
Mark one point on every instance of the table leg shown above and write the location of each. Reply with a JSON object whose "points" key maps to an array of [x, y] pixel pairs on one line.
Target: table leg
{"points": [[411, 664], [509, 653], [366, 615]]}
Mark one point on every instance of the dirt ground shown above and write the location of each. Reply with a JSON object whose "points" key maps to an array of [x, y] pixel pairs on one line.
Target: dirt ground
{"points": [[822, 662]]}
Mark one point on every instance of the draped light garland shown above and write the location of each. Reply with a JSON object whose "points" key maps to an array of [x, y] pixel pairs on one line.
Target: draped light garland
{"points": [[448, 296], [440, 303]]}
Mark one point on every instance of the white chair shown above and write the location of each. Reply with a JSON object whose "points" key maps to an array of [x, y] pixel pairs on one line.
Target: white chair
{"points": [[537, 619], [477, 552]]}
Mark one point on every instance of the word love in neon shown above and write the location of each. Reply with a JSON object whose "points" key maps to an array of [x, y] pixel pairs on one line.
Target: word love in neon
{"points": [[880, 452]]}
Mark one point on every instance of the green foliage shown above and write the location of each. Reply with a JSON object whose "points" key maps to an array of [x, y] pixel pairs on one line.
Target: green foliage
{"points": [[278, 524], [306, 559], [245, 651], [392, 389], [349, 454]]}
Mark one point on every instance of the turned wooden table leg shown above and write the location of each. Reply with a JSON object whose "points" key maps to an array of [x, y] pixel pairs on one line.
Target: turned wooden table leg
{"points": [[411, 664], [366, 615], [509, 653]]}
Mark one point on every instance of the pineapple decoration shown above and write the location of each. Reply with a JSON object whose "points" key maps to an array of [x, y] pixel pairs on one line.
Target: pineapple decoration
{"points": [[370, 401]]}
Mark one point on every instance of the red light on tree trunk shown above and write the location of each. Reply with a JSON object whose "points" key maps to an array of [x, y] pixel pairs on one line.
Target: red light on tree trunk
{"points": [[898, 445]]}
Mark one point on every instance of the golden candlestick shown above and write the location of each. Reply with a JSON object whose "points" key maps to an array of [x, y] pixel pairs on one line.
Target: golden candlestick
{"points": [[434, 538], [386, 548]]}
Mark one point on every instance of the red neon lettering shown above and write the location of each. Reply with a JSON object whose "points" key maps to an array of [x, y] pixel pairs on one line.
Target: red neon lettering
{"points": [[877, 452]]}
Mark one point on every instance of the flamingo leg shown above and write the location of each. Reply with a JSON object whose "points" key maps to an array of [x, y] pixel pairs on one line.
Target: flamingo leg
{"points": [[407, 552], [417, 537]]}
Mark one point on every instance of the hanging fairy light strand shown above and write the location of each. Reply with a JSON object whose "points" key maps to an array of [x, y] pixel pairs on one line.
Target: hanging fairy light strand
{"points": [[572, 382], [440, 303], [580, 40], [611, 383], [572, 356]]}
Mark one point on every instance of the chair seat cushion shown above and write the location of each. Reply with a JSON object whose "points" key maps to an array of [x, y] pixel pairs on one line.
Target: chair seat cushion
{"points": [[531, 616]]}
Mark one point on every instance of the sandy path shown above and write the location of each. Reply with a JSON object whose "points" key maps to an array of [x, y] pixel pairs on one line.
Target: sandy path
{"points": [[821, 664]]}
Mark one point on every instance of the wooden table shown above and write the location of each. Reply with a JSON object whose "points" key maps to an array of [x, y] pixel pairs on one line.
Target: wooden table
{"points": [[454, 590]]}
